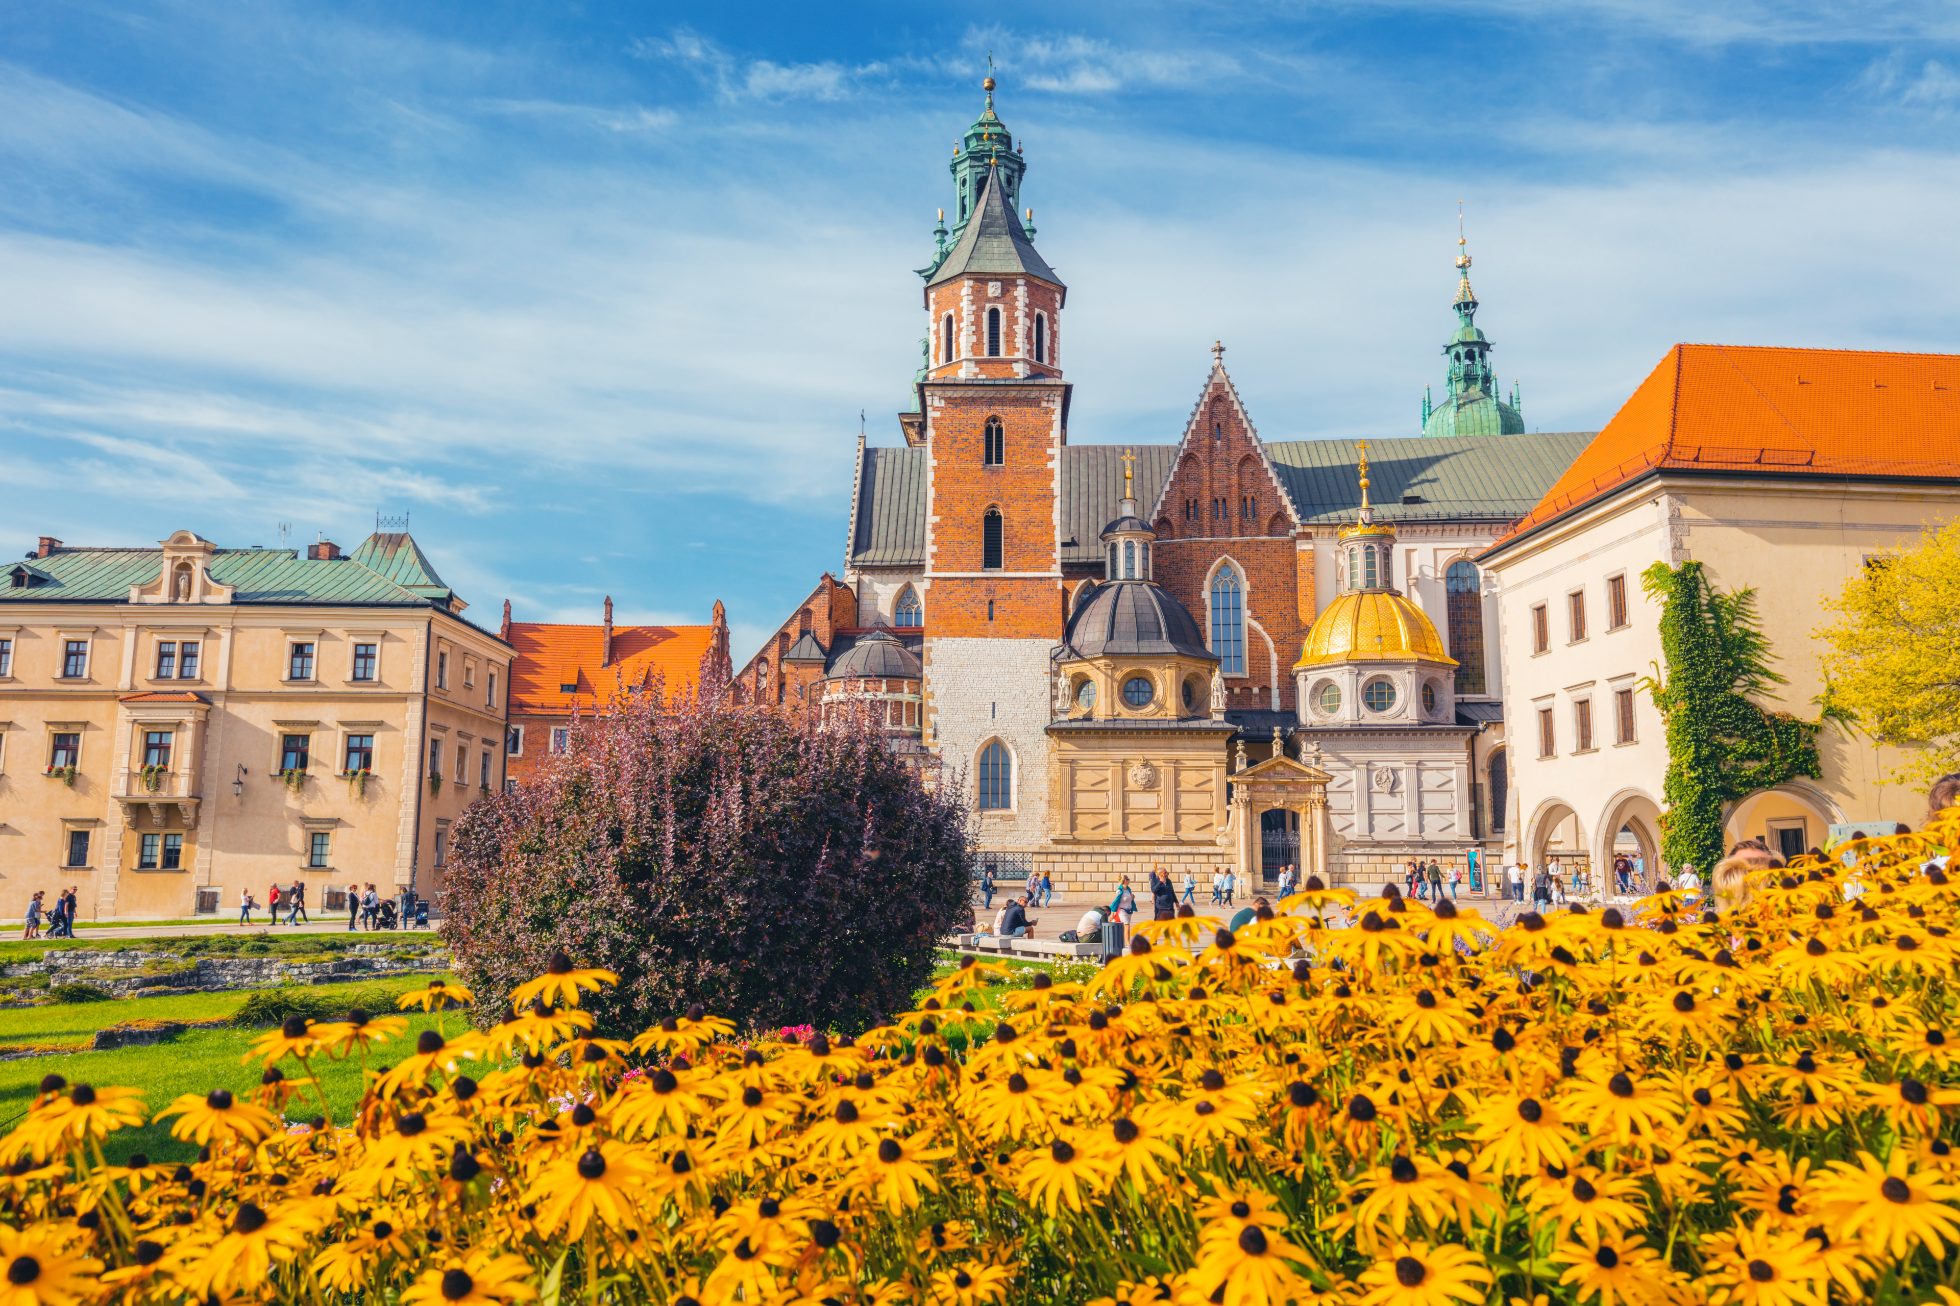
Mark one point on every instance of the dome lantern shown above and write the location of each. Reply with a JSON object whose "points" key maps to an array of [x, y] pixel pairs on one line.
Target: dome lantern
{"points": [[1127, 540]]}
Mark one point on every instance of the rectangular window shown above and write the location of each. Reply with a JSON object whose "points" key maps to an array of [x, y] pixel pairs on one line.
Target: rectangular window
{"points": [[435, 759], [462, 763], [78, 848], [514, 741], [166, 660], [490, 692], [1547, 736], [299, 661], [150, 852], [74, 659], [510, 785], [1582, 726], [442, 849], [1575, 604], [469, 674], [173, 852], [1541, 629], [360, 753], [365, 661], [561, 738], [1616, 602], [187, 660], [483, 771], [1623, 711], [992, 542], [293, 750], [156, 748], [67, 751], [319, 847], [6, 657], [442, 671]]}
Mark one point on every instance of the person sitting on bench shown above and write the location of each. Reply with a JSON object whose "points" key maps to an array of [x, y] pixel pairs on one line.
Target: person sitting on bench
{"points": [[1014, 923]]}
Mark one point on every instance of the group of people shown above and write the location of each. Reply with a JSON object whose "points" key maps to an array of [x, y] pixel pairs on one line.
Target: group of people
{"points": [[61, 920], [1427, 882], [292, 901], [366, 906]]}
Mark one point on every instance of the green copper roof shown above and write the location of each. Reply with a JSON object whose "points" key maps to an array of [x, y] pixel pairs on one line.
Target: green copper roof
{"points": [[994, 244], [254, 575], [1471, 404]]}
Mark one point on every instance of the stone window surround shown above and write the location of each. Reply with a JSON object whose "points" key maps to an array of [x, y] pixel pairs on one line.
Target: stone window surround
{"points": [[86, 636], [1013, 807]]}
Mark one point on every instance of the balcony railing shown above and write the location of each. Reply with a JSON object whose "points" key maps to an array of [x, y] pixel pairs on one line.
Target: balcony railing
{"points": [[142, 784]]}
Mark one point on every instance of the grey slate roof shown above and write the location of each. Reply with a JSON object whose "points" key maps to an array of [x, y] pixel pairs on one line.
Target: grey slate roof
{"points": [[1495, 478], [876, 656], [805, 649], [256, 576], [1133, 616], [994, 244]]}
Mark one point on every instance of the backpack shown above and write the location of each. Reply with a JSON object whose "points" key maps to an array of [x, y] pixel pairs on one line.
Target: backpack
{"points": [[1070, 936]]}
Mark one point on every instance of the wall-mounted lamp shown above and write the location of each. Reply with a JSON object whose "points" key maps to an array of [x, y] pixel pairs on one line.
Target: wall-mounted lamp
{"points": [[238, 782]]}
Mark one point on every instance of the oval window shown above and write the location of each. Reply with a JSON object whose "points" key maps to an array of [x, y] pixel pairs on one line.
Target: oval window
{"points": [[1191, 695], [1328, 698], [1138, 691], [1429, 696], [1379, 695], [1085, 695]]}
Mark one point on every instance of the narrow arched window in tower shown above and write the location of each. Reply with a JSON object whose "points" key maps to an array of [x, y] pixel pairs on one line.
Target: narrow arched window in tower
{"points": [[1464, 586], [946, 339], [995, 442], [1228, 619], [908, 612], [993, 333], [1129, 559], [1040, 337], [990, 540], [1370, 578], [996, 777]]}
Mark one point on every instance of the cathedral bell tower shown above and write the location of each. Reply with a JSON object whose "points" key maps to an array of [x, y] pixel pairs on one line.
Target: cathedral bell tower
{"points": [[993, 413]]}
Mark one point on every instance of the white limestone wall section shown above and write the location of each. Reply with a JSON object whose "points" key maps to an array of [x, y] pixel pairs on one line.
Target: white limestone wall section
{"points": [[980, 689]]}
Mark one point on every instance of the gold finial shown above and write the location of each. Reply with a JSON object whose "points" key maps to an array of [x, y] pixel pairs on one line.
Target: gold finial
{"points": [[1462, 253], [942, 215], [987, 83], [1129, 470], [1367, 512]]}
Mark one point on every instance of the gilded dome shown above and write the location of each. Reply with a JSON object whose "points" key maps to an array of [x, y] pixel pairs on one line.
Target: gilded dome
{"points": [[1372, 626]]}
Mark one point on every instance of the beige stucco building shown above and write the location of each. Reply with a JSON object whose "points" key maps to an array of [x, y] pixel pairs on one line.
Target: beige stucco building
{"points": [[182, 724], [1778, 469]]}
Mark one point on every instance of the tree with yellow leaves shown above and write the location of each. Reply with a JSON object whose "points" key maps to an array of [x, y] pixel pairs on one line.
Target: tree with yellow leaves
{"points": [[1892, 660]]}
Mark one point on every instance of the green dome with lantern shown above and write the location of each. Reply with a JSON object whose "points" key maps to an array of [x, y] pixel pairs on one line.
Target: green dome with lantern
{"points": [[1471, 404]]}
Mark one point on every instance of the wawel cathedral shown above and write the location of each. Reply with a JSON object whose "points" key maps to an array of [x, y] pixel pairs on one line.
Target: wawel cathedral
{"points": [[1199, 649]]}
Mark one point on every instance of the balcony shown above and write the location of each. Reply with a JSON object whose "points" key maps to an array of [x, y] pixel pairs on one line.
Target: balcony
{"points": [[161, 791]]}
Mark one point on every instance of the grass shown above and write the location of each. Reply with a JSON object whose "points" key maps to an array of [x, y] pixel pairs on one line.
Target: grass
{"points": [[75, 1023], [195, 1061]]}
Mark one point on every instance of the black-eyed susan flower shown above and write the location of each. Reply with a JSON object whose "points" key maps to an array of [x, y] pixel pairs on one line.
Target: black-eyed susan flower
{"points": [[974, 1283], [1888, 1208], [1522, 1134], [562, 984], [1764, 1265], [1062, 1175], [478, 1278], [1413, 1274], [436, 995], [1253, 1267], [1614, 1272], [40, 1269], [605, 1183], [218, 1118]]}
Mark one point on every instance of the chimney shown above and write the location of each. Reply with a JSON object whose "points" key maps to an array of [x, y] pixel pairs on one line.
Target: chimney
{"points": [[45, 545], [324, 551], [503, 631], [605, 647]]}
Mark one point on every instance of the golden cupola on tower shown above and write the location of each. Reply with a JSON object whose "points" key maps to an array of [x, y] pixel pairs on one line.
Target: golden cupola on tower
{"points": [[1370, 620]]}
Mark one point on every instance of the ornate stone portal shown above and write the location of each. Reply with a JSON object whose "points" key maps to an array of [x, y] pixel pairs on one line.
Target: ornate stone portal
{"points": [[1280, 783]]}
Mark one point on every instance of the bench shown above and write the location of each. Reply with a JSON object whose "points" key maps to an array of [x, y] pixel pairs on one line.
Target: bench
{"points": [[1049, 948]]}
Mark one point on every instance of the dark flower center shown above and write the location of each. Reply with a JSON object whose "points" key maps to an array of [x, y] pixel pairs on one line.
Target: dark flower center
{"points": [[751, 1096], [428, 1042], [147, 1252], [1913, 1091], [1061, 1151], [962, 1280], [1425, 999], [1252, 1240], [1126, 1130], [295, 1027], [769, 1208], [846, 1113], [1583, 1190], [1212, 1080], [1606, 1258], [824, 1234], [1761, 1271], [583, 1115], [1301, 1094], [23, 1270], [219, 1099], [1896, 1189], [1361, 1109], [1619, 1085], [1684, 1002], [456, 1285], [1017, 1083], [1139, 946], [592, 1164], [411, 1124], [1402, 1170], [1410, 1272], [250, 1219], [559, 964], [889, 1151], [1530, 1111]]}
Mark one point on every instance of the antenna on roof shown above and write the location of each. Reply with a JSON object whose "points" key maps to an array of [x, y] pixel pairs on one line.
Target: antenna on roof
{"points": [[390, 522], [285, 534]]}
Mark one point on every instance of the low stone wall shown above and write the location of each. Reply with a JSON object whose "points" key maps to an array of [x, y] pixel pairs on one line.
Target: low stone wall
{"points": [[136, 973], [1093, 873]]}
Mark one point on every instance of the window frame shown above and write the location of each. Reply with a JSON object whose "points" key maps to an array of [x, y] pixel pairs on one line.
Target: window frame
{"points": [[349, 748], [6, 656], [483, 770], [561, 740], [1541, 629], [435, 758], [908, 610], [1387, 686], [1577, 627], [1626, 719], [149, 851], [55, 748], [1131, 702], [1041, 338], [1547, 732], [948, 353], [173, 851], [993, 442], [1582, 725], [190, 653], [1227, 614], [996, 335], [993, 540], [994, 777], [371, 659], [159, 746], [164, 665], [291, 758], [442, 668], [319, 850], [69, 652], [514, 735], [1463, 620], [69, 861], [302, 660], [1618, 612]]}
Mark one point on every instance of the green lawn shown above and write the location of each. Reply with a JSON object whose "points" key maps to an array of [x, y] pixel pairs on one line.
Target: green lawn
{"points": [[250, 944], [74, 1023]]}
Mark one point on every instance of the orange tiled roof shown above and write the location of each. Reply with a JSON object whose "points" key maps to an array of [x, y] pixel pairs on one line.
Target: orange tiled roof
{"points": [[1771, 411], [162, 696], [550, 656]]}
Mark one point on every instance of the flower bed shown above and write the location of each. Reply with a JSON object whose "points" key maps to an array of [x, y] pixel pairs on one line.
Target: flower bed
{"points": [[1415, 1109]]}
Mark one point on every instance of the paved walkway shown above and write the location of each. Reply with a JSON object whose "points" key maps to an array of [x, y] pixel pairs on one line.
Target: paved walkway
{"points": [[1067, 908]]}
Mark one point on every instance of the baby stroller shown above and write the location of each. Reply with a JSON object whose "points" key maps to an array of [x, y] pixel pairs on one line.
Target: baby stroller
{"points": [[421, 913], [385, 915]]}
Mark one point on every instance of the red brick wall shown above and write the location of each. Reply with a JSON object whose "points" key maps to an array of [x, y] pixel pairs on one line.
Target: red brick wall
{"points": [[968, 301], [766, 678], [1023, 487]]}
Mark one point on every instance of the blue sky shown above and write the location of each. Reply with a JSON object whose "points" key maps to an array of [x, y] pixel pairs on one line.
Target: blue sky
{"points": [[596, 292]]}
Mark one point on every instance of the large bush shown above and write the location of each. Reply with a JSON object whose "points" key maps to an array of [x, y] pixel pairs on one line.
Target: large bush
{"points": [[717, 854]]}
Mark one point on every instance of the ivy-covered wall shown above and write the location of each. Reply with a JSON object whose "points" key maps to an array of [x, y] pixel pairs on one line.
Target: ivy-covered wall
{"points": [[1721, 745]]}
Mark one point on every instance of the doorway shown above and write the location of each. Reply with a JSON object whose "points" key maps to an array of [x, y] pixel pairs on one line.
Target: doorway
{"points": [[1279, 841]]}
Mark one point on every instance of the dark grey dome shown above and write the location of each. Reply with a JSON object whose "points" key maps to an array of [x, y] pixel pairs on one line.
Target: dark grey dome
{"points": [[1130, 524], [876, 656], [1133, 616]]}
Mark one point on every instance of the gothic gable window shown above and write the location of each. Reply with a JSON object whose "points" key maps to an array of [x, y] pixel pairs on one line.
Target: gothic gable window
{"points": [[991, 540], [995, 440], [996, 777], [1464, 587], [1228, 619], [993, 333], [908, 611]]}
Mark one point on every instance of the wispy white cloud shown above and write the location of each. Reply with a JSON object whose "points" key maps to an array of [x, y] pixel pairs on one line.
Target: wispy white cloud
{"points": [[1731, 22], [735, 78]]}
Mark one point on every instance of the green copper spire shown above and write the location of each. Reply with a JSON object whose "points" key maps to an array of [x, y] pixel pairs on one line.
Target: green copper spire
{"points": [[1471, 405], [986, 149]]}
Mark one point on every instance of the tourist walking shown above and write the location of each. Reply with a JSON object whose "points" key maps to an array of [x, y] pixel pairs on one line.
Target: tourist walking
{"points": [[1163, 895], [33, 930], [1541, 890], [1456, 881], [246, 906], [987, 889], [1190, 888], [353, 907], [272, 896], [1218, 886], [1123, 907], [1435, 881], [297, 901], [1231, 883], [1514, 881], [370, 907], [1047, 888], [58, 915]]}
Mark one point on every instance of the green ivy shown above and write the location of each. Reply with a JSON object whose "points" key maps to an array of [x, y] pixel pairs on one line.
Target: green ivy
{"points": [[1721, 746]]}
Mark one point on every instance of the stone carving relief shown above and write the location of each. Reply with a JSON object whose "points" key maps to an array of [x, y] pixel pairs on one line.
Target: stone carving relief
{"points": [[1384, 779], [1143, 776]]}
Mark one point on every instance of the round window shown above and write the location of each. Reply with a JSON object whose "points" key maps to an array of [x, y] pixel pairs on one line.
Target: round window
{"points": [[1191, 694], [1138, 691], [1379, 695], [1328, 697], [1429, 696], [1085, 695]]}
